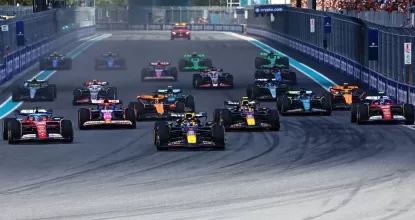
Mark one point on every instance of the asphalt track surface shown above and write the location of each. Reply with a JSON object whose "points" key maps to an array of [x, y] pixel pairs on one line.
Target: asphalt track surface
{"points": [[314, 168]]}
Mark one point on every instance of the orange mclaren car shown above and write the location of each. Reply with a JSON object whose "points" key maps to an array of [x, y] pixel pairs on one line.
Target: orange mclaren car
{"points": [[156, 106], [343, 96]]}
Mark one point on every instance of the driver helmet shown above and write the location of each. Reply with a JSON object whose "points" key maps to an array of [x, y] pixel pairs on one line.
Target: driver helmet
{"points": [[34, 80], [94, 82], [194, 54], [55, 54], [271, 54], [106, 104], [244, 103], [109, 54]]}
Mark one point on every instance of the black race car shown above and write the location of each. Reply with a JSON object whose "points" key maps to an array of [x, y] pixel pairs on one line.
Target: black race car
{"points": [[304, 102], [266, 89], [277, 73], [189, 132], [35, 90], [212, 78], [93, 91], [55, 62], [110, 61], [247, 114], [159, 71]]}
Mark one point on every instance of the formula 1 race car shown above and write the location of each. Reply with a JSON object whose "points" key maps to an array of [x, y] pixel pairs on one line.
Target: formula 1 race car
{"points": [[271, 59], [266, 89], [381, 108], [304, 102], [37, 125], [344, 96], [180, 30], [161, 105], [277, 73], [110, 61], [159, 71], [212, 78], [189, 132], [35, 90], [246, 114], [92, 91], [55, 62], [106, 115], [194, 62]]}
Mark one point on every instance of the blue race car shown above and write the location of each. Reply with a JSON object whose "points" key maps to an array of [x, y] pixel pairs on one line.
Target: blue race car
{"points": [[277, 73], [304, 102], [35, 90], [267, 89], [55, 62], [110, 61], [175, 95]]}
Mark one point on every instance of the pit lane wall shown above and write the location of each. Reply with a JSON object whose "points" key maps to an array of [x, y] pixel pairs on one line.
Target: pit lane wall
{"points": [[346, 47], [168, 27], [24, 57]]}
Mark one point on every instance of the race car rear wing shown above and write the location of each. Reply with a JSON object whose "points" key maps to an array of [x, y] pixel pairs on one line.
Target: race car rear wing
{"points": [[374, 98], [113, 54], [211, 70], [26, 112], [264, 79], [299, 92], [161, 63], [182, 115], [165, 91], [98, 83], [191, 55], [237, 103], [100, 102]]}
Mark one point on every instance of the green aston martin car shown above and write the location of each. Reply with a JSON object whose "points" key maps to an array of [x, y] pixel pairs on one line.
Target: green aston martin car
{"points": [[272, 60], [194, 62]]}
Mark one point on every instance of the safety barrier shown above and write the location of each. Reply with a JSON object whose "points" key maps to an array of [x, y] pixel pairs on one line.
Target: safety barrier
{"points": [[21, 59], [354, 70], [192, 27]]}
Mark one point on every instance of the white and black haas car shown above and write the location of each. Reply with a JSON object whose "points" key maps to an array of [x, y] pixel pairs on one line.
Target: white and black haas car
{"points": [[93, 91], [212, 78], [55, 61], [35, 90], [110, 61], [159, 71]]}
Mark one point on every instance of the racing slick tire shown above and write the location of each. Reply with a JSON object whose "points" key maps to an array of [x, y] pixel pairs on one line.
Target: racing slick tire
{"points": [[190, 103], [182, 64], [180, 107], [138, 109], [15, 131], [353, 112], [161, 136], [5, 125], [207, 62], [174, 73], [218, 136], [144, 73], [130, 116], [259, 61], [229, 80], [285, 105], [362, 114], [223, 116], [197, 79], [67, 131], [252, 91], [156, 125], [52, 92], [77, 94], [286, 62], [83, 116], [408, 113], [16, 95], [111, 93], [273, 119], [326, 104]]}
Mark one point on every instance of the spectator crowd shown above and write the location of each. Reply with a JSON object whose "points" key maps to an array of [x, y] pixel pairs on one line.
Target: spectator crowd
{"points": [[362, 5]]}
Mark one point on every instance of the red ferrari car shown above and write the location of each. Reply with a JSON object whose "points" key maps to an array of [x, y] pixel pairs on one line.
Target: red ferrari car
{"points": [[180, 30], [381, 108]]}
